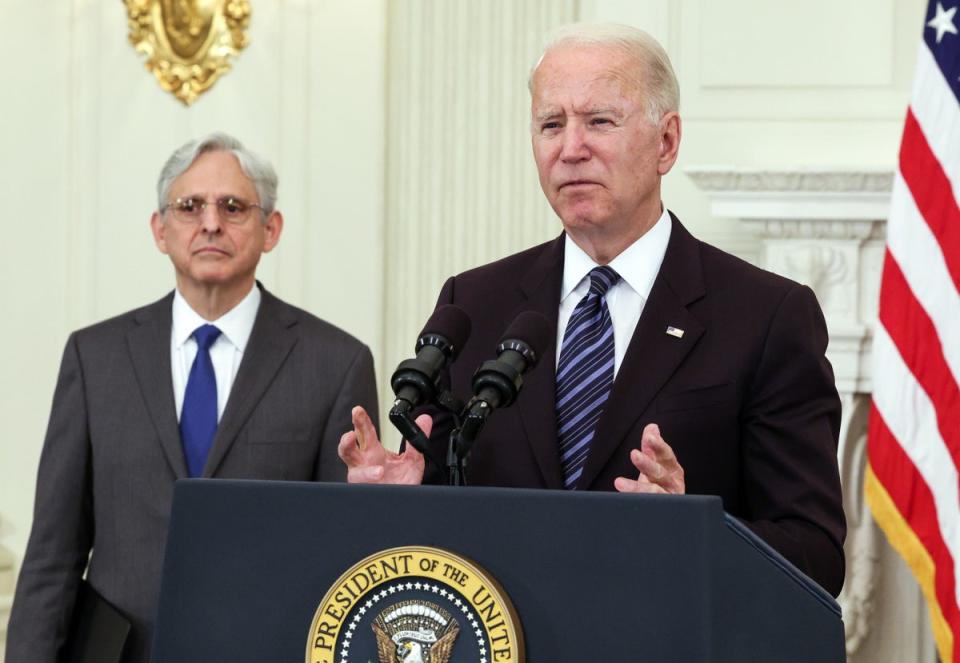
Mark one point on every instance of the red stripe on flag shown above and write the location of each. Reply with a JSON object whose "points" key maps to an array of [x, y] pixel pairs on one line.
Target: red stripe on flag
{"points": [[915, 336], [913, 499], [932, 193]]}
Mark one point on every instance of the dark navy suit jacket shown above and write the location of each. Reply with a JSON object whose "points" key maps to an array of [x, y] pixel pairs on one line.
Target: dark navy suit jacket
{"points": [[746, 398]]}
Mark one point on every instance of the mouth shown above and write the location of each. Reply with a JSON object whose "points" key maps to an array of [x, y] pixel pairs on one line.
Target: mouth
{"points": [[577, 184], [211, 251]]}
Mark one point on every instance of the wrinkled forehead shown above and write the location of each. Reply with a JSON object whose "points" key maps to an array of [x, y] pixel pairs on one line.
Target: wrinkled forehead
{"points": [[586, 75], [216, 172]]}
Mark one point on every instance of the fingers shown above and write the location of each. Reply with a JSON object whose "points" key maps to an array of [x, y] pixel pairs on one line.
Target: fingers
{"points": [[347, 440], [657, 465], [360, 447], [425, 422], [348, 450], [647, 465], [368, 461], [368, 474], [649, 479], [363, 425], [654, 445], [639, 485]]}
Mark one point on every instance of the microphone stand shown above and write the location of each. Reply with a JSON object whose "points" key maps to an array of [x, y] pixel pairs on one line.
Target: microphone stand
{"points": [[456, 467], [470, 421], [456, 464], [467, 422], [401, 416]]}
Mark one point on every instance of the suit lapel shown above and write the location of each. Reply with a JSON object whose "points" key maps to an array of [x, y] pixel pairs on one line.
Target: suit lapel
{"points": [[149, 345], [270, 342], [653, 355], [541, 287]]}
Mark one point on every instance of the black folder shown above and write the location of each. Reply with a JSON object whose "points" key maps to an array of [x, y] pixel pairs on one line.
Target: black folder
{"points": [[99, 631]]}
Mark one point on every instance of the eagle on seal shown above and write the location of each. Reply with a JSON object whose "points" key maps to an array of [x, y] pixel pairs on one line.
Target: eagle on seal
{"points": [[415, 632]]}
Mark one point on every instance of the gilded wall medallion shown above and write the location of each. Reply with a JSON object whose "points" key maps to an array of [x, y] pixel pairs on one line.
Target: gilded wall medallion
{"points": [[188, 43]]}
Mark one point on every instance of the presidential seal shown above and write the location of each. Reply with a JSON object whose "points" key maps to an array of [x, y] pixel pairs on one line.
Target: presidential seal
{"points": [[415, 605]]}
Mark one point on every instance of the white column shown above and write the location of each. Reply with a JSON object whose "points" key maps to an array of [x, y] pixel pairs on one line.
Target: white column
{"points": [[462, 188]]}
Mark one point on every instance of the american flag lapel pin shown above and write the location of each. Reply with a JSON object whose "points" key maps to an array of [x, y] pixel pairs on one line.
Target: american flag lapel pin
{"points": [[673, 331]]}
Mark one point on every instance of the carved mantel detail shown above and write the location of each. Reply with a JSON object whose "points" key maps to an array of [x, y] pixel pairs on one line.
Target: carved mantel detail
{"points": [[826, 229], [732, 179]]}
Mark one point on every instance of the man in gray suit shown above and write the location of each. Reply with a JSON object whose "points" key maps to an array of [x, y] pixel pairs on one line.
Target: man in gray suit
{"points": [[217, 379]]}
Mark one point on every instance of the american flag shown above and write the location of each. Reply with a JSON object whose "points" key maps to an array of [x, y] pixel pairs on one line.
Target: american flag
{"points": [[913, 446]]}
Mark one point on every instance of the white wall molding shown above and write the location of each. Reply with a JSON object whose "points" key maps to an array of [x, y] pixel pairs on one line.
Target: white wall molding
{"points": [[719, 179], [773, 196]]}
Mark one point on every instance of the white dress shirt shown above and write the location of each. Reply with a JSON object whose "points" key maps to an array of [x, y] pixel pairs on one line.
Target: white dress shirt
{"points": [[637, 266], [225, 353]]}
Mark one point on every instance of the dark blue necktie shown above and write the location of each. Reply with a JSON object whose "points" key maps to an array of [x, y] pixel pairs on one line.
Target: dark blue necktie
{"points": [[584, 374], [198, 419]]}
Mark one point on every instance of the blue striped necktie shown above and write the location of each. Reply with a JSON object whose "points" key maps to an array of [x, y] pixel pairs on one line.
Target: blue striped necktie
{"points": [[584, 374], [198, 418]]}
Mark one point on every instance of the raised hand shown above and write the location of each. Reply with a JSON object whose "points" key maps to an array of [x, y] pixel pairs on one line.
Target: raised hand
{"points": [[660, 472], [368, 461]]}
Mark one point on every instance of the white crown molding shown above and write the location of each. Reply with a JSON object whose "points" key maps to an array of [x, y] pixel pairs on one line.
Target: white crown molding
{"points": [[829, 195], [734, 178]]}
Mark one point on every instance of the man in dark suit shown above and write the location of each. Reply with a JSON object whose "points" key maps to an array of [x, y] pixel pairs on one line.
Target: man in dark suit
{"points": [[677, 368], [217, 379]]}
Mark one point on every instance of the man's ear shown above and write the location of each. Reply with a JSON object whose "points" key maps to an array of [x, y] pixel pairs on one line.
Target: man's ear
{"points": [[159, 230], [272, 228], [670, 130]]}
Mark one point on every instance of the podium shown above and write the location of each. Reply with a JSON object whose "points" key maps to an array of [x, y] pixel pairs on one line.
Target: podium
{"points": [[593, 577]]}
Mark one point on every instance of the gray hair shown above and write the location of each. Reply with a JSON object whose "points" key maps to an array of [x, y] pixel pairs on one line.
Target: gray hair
{"points": [[258, 169], [652, 74]]}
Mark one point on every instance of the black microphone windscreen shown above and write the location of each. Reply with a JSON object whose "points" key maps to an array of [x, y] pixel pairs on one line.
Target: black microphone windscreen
{"points": [[532, 328], [451, 322]]}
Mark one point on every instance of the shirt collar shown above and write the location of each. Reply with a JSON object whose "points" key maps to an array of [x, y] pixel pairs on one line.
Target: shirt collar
{"points": [[236, 324], [637, 265]]}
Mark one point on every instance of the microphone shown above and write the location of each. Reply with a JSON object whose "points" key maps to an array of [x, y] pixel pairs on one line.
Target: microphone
{"points": [[416, 381], [498, 381]]}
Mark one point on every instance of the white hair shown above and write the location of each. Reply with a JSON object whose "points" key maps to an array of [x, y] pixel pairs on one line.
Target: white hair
{"points": [[258, 169], [651, 72]]}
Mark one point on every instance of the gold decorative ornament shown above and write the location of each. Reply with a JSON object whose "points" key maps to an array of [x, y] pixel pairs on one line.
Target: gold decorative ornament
{"points": [[188, 43]]}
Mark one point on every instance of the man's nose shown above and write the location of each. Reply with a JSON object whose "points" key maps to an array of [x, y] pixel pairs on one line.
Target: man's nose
{"points": [[575, 147], [210, 221]]}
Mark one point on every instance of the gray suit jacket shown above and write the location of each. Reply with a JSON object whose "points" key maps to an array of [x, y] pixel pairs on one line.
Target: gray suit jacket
{"points": [[112, 453]]}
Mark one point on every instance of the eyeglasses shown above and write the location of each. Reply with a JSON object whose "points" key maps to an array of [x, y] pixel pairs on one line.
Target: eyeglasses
{"points": [[230, 209]]}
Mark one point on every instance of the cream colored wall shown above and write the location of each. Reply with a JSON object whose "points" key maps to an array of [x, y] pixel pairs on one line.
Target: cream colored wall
{"points": [[85, 130], [399, 130], [775, 85]]}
